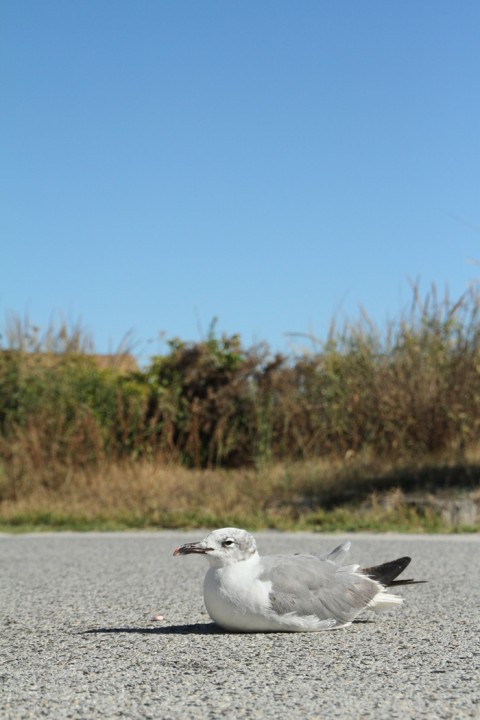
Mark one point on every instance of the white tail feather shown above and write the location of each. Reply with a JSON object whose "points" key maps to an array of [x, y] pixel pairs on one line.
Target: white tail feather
{"points": [[383, 601]]}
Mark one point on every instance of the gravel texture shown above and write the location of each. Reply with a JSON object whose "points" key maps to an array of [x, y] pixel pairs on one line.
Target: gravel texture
{"points": [[78, 640]]}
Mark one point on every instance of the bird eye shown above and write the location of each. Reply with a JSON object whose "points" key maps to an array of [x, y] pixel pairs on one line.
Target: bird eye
{"points": [[227, 543]]}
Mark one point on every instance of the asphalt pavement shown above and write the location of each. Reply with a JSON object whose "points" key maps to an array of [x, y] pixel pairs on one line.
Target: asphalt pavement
{"points": [[78, 639]]}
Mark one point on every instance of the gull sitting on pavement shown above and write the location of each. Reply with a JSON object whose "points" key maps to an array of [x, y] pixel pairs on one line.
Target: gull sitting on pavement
{"points": [[245, 592]]}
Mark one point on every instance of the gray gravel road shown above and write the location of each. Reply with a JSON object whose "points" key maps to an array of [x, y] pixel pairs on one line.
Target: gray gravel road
{"points": [[78, 641]]}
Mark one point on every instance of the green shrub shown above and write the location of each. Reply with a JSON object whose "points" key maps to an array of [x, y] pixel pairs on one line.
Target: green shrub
{"points": [[411, 390]]}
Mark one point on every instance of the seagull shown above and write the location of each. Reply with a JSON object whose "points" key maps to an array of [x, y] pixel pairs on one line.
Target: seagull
{"points": [[245, 592]]}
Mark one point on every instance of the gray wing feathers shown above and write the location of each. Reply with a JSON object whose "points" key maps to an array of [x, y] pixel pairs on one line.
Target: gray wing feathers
{"points": [[339, 552], [308, 585]]}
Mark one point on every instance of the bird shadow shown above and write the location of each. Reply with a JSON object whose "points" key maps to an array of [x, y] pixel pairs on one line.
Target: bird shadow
{"points": [[193, 629]]}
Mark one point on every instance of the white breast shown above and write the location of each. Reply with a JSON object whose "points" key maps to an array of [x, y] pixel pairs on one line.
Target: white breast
{"points": [[236, 599]]}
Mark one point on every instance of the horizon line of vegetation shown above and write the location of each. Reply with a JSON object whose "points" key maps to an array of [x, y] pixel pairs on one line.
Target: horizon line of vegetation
{"points": [[402, 395]]}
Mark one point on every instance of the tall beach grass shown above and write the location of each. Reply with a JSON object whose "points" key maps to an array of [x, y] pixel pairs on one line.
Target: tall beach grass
{"points": [[212, 430]]}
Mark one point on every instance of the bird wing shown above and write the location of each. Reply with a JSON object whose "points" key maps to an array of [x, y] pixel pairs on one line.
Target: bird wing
{"points": [[307, 585], [338, 553]]}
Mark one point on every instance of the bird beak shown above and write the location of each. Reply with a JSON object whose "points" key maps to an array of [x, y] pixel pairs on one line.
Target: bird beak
{"points": [[189, 548]]}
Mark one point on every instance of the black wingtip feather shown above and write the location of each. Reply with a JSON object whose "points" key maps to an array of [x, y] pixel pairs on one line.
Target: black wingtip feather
{"points": [[386, 573]]}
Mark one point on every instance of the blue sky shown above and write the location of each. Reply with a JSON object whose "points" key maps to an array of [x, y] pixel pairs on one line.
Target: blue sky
{"points": [[269, 163]]}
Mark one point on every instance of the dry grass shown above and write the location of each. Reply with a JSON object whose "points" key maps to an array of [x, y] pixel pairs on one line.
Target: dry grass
{"points": [[141, 493], [318, 495], [212, 433]]}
